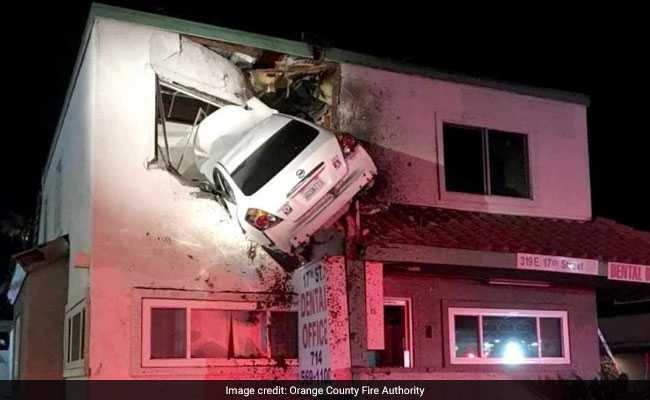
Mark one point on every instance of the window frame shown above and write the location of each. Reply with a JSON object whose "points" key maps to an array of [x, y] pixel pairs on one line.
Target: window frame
{"points": [[484, 128], [76, 367], [188, 305], [452, 312], [15, 348], [161, 153]]}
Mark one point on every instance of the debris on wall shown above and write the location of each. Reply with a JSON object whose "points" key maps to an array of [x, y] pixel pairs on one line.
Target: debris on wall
{"points": [[197, 77], [303, 87], [297, 87], [279, 287]]}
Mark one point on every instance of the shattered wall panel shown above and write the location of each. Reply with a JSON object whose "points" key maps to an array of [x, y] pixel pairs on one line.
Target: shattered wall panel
{"points": [[181, 60]]}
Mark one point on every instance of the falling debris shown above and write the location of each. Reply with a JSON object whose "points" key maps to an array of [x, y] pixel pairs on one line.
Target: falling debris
{"points": [[298, 88], [252, 251]]}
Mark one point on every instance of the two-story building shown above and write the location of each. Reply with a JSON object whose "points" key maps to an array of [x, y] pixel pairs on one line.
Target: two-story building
{"points": [[475, 255]]}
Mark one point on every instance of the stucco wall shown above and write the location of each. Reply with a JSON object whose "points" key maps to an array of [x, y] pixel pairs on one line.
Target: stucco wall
{"points": [[402, 116], [41, 306], [431, 296], [65, 205], [146, 229], [150, 230]]}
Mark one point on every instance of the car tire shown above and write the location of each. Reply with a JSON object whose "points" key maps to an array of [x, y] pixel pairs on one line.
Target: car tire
{"points": [[288, 262]]}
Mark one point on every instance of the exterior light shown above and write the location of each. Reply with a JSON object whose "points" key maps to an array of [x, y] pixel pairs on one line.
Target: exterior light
{"points": [[513, 353]]}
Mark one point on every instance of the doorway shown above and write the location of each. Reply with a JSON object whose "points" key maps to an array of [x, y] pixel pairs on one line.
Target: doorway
{"points": [[397, 334]]}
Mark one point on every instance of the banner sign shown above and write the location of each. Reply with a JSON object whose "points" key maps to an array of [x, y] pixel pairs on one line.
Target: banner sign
{"points": [[628, 272]]}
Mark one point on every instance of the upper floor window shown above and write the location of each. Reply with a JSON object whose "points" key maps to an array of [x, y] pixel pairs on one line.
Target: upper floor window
{"points": [[486, 161], [497, 336], [58, 188], [203, 333], [181, 108]]}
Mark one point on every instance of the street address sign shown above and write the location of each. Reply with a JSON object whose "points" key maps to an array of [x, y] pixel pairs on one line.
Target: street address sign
{"points": [[570, 265]]}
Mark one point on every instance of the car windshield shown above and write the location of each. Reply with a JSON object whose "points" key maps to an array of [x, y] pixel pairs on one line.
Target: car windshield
{"points": [[273, 155]]}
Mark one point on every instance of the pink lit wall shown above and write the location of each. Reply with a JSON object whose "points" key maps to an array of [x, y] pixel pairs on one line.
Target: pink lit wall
{"points": [[145, 230], [403, 114], [431, 360], [149, 230]]}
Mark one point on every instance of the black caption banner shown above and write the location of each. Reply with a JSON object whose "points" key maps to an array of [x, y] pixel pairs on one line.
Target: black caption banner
{"points": [[304, 390]]}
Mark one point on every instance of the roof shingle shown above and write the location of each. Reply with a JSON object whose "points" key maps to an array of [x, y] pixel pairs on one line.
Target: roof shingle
{"points": [[600, 238]]}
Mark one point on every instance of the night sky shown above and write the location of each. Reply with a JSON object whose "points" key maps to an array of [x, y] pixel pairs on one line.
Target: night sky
{"points": [[573, 51]]}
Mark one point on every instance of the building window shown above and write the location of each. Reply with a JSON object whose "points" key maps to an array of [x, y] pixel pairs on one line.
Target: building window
{"points": [[178, 111], [398, 351], [75, 336], [16, 342], [495, 336], [4, 341], [58, 196], [182, 108], [486, 161], [203, 333]]}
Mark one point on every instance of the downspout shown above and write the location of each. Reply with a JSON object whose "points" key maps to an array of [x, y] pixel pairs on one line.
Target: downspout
{"points": [[352, 231]]}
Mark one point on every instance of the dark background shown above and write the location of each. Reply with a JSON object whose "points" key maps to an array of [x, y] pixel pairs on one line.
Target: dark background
{"points": [[601, 53]]}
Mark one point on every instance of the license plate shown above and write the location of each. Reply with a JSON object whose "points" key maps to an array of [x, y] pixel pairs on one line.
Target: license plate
{"points": [[311, 190]]}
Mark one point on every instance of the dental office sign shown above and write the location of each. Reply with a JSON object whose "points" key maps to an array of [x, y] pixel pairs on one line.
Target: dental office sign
{"points": [[540, 262], [324, 350], [628, 272]]}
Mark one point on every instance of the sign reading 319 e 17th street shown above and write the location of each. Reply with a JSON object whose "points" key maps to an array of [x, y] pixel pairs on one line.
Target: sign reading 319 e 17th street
{"points": [[540, 262]]}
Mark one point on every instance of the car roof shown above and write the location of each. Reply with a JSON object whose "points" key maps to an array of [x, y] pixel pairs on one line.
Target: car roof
{"points": [[229, 135], [252, 139]]}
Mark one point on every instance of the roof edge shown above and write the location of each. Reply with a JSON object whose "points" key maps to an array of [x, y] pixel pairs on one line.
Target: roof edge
{"points": [[99, 10], [68, 94], [333, 54]]}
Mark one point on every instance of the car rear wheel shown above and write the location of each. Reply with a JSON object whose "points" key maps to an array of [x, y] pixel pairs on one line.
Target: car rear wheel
{"points": [[287, 261]]}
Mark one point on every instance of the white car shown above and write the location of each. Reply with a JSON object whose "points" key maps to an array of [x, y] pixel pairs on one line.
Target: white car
{"points": [[280, 177]]}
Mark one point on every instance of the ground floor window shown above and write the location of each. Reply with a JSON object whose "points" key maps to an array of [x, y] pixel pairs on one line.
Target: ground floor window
{"points": [[201, 333], [397, 350], [75, 336], [499, 336]]}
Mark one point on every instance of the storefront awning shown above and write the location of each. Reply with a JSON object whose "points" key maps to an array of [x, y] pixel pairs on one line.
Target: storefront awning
{"points": [[454, 237], [29, 260]]}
